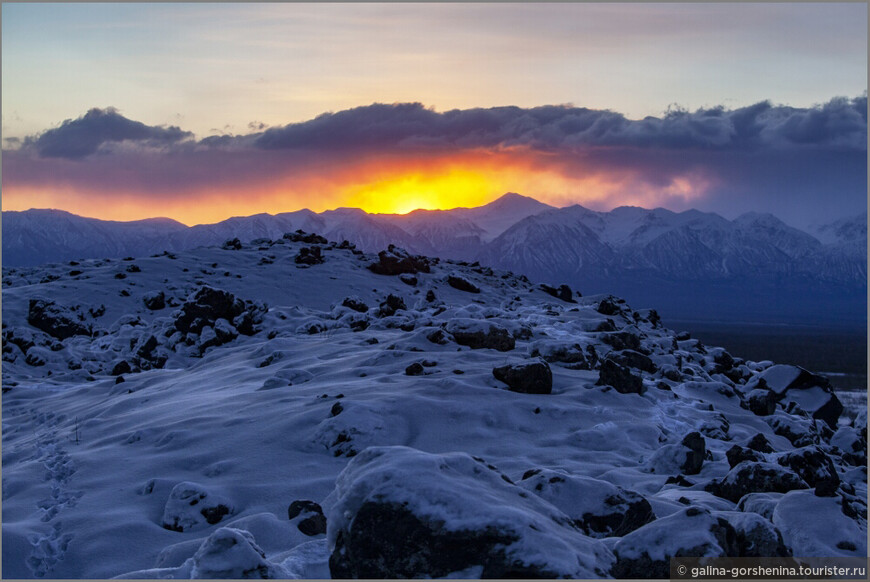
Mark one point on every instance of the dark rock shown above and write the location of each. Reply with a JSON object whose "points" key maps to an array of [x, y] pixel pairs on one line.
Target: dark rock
{"points": [[232, 245], [415, 369], [430, 296], [122, 367], [355, 303], [395, 261], [608, 307], [563, 292], [408, 279], [760, 443], [620, 377], [646, 552], [303, 237], [633, 359], [679, 480], [697, 450], [472, 335], [757, 537], [606, 325], [622, 340], [463, 284], [391, 305], [154, 300], [55, 320], [309, 256], [120, 380], [761, 402], [815, 467], [314, 522], [438, 337], [566, 353], [754, 477], [191, 506], [738, 454], [528, 378]]}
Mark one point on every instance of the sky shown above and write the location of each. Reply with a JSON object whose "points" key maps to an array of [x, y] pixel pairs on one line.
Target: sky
{"points": [[204, 111]]}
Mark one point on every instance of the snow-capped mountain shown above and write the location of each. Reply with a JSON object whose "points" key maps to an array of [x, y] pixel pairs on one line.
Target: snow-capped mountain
{"points": [[691, 264], [296, 408]]}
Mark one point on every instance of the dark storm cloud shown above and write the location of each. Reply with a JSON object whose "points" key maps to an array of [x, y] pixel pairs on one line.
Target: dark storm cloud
{"points": [[78, 138], [839, 123]]}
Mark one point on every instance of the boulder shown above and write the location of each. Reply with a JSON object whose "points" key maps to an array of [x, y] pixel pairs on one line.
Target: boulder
{"points": [[55, 320], [755, 477], [391, 305], [309, 256], [691, 532], [403, 513], [529, 378], [563, 292], [757, 537], [192, 506], [599, 508], [308, 238], [480, 334], [154, 300], [620, 377], [697, 451], [395, 261], [355, 303], [633, 359], [737, 454], [311, 520], [231, 553], [459, 282], [813, 466], [232, 245], [761, 402]]}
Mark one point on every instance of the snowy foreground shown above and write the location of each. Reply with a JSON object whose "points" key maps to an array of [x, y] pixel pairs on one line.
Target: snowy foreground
{"points": [[281, 409]]}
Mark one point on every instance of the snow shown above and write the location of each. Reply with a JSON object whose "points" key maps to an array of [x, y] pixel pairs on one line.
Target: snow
{"points": [[91, 464]]}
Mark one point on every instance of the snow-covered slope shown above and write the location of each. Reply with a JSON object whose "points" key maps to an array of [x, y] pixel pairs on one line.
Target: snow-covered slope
{"points": [[290, 409]]}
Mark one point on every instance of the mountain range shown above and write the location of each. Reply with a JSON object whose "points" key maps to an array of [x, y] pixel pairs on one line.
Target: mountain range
{"points": [[689, 264]]}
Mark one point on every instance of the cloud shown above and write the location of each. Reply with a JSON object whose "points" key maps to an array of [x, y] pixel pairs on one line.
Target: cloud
{"points": [[840, 122], [78, 138], [802, 164]]}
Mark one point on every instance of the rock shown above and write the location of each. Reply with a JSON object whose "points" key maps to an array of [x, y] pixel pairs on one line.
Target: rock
{"points": [[57, 321], [408, 279], [480, 334], [621, 340], [355, 303], [782, 378], [303, 237], [646, 552], [761, 503], [232, 245], [430, 296], [597, 507], [738, 454], [760, 443], [697, 451], [620, 377], [761, 402], [403, 513], [757, 537], [608, 307], [463, 284], [206, 306], [192, 506], [815, 467], [309, 256], [395, 261], [755, 477], [528, 378], [415, 369], [391, 305], [313, 522], [438, 337], [154, 300], [563, 292], [565, 352], [231, 553], [36, 356], [633, 359], [122, 367]]}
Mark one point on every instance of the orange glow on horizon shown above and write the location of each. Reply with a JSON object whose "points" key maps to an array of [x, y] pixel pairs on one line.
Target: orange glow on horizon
{"points": [[383, 185]]}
